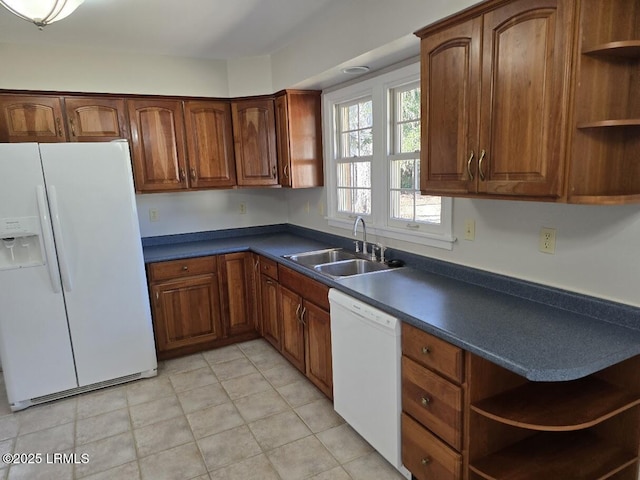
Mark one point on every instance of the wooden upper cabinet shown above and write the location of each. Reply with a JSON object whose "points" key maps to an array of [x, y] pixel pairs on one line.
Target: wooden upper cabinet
{"points": [[95, 119], [29, 118], [255, 142], [526, 50], [299, 133], [450, 86], [209, 144], [522, 79], [157, 145]]}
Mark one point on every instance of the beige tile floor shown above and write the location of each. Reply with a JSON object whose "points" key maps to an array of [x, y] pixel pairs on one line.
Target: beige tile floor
{"points": [[239, 412]]}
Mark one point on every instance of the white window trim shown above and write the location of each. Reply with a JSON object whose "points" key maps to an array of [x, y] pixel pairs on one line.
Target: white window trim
{"points": [[377, 87]]}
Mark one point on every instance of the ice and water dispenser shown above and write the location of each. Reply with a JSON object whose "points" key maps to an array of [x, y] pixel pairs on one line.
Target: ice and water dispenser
{"points": [[20, 243]]}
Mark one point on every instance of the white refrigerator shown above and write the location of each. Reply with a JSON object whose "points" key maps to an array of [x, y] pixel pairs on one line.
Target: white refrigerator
{"points": [[74, 307]]}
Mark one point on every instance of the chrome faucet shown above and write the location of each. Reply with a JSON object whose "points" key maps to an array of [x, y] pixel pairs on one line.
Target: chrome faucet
{"points": [[364, 233]]}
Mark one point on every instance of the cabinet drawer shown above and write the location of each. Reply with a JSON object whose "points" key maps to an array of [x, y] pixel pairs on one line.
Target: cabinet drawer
{"points": [[433, 401], [433, 353], [425, 456], [306, 287], [182, 268], [269, 268]]}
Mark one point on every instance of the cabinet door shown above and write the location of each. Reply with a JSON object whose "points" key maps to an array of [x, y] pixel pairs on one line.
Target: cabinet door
{"points": [[255, 142], [292, 328], [95, 119], [186, 312], [157, 145], [209, 144], [27, 118], [524, 80], [318, 347], [270, 307], [299, 133], [450, 85], [237, 293]]}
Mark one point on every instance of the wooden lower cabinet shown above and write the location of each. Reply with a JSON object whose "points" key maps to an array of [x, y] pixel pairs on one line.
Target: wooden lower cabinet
{"points": [[270, 304], [292, 328], [432, 406], [185, 302], [269, 301], [201, 303], [319, 367], [467, 418], [238, 293], [306, 327], [425, 456]]}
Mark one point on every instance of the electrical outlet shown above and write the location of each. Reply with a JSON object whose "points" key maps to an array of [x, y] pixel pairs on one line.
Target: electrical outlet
{"points": [[469, 229], [153, 215], [243, 208], [547, 240], [307, 207]]}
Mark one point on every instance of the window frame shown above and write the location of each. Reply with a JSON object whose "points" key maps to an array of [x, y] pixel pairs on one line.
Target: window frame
{"points": [[378, 222], [344, 160]]}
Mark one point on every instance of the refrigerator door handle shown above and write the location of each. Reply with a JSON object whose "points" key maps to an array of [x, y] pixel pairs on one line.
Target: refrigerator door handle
{"points": [[57, 231], [47, 239]]}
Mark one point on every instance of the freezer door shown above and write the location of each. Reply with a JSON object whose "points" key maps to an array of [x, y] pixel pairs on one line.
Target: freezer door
{"points": [[93, 210], [35, 347]]}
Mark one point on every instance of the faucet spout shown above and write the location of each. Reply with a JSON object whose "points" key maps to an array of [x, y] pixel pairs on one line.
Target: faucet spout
{"points": [[364, 232]]}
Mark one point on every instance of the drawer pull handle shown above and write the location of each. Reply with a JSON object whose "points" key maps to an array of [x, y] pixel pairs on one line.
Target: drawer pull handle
{"points": [[426, 401], [426, 350], [185, 268], [425, 461]]}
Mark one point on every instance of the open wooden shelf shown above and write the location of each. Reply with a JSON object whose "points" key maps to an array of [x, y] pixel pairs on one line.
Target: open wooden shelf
{"points": [[557, 406], [625, 49], [566, 456], [627, 122]]}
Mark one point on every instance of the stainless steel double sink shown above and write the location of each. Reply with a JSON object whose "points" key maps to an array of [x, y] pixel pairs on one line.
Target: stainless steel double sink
{"points": [[337, 263]]}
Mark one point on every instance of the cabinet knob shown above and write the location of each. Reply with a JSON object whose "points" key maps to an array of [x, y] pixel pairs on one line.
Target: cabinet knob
{"points": [[73, 127], [274, 171], [425, 461], [426, 350], [59, 125], [286, 171], [426, 401], [193, 174], [185, 268], [183, 175]]}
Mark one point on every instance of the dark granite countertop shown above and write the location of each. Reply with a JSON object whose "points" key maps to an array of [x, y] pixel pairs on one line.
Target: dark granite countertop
{"points": [[532, 330]]}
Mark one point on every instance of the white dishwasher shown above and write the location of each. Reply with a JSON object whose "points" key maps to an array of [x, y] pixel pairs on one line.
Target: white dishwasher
{"points": [[366, 354]]}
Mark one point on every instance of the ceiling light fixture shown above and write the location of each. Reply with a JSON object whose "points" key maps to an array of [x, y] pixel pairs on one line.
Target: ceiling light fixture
{"points": [[41, 12], [352, 70]]}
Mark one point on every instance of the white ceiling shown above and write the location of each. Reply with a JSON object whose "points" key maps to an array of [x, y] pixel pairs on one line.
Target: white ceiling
{"points": [[212, 29]]}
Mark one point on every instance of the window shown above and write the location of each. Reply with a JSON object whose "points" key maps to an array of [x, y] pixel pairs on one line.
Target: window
{"points": [[407, 206], [355, 147], [373, 167]]}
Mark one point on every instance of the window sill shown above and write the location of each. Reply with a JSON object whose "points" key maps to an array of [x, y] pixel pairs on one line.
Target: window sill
{"points": [[430, 239]]}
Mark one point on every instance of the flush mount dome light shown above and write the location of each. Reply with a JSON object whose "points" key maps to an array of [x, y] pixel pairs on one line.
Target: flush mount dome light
{"points": [[352, 70], [41, 12]]}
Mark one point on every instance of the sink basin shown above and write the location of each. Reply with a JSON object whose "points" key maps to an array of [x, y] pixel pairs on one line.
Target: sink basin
{"points": [[318, 257], [348, 268]]}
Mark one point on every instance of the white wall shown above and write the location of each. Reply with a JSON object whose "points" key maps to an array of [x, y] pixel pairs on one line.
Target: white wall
{"points": [[26, 67], [596, 246], [350, 30], [210, 210], [249, 76]]}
